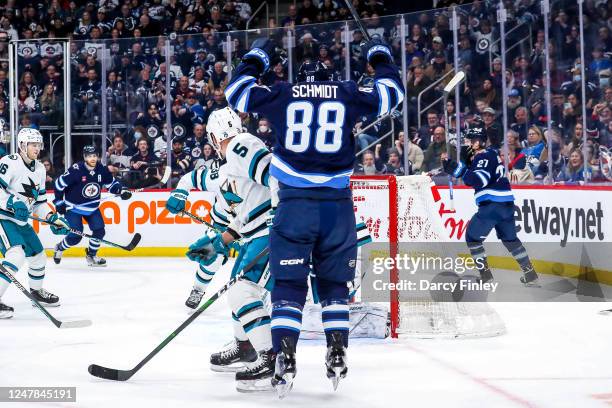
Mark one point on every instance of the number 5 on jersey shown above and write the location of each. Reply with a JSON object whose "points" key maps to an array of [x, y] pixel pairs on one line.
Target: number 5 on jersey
{"points": [[328, 130]]}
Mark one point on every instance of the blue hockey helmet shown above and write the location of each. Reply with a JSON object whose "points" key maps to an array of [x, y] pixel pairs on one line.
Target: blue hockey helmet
{"points": [[311, 71], [90, 150]]}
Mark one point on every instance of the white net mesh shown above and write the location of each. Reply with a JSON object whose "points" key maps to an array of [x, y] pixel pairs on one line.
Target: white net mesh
{"points": [[418, 220]]}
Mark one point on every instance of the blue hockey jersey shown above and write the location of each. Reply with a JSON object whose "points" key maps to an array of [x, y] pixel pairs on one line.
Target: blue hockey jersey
{"points": [[487, 176], [80, 187], [314, 146]]}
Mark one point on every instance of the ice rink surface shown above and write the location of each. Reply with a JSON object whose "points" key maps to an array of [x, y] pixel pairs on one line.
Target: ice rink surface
{"points": [[554, 354]]}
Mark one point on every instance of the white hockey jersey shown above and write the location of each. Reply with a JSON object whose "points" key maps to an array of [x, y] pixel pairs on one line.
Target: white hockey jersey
{"points": [[242, 182], [22, 182]]}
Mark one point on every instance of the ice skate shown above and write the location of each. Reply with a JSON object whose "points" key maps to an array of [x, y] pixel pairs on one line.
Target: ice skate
{"points": [[335, 361], [530, 277], [285, 368], [95, 261], [233, 357], [257, 376], [45, 298], [6, 312], [57, 255], [195, 297]]}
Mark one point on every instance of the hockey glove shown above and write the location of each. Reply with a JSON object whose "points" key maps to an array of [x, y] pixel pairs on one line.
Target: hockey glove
{"points": [[125, 194], [453, 168], [206, 249], [19, 209], [176, 201], [60, 206], [378, 52], [59, 225], [261, 53]]}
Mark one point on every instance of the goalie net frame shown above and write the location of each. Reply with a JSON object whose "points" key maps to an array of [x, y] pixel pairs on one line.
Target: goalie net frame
{"points": [[470, 319]]}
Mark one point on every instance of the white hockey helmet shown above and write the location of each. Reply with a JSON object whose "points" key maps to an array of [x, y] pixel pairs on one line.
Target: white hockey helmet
{"points": [[223, 124], [29, 135]]}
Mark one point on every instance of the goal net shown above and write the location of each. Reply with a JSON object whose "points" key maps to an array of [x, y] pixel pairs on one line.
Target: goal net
{"points": [[401, 210]]}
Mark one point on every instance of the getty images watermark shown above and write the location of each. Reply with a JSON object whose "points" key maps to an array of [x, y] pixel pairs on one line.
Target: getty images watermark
{"points": [[428, 266], [446, 272]]}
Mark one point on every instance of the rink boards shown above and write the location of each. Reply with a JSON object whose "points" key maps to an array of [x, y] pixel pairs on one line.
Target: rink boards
{"points": [[552, 214]]}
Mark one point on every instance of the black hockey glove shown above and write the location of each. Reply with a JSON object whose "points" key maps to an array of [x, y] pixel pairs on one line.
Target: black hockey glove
{"points": [[125, 194], [453, 168], [467, 154], [378, 51], [60, 206], [262, 51]]}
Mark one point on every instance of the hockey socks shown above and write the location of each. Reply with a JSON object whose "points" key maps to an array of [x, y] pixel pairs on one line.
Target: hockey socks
{"points": [[288, 299], [286, 322], [335, 317]]}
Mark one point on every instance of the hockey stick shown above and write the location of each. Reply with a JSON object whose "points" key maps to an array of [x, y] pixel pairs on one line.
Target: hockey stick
{"points": [[349, 4], [199, 219], [60, 325], [124, 375], [455, 80], [129, 247], [605, 312], [163, 180]]}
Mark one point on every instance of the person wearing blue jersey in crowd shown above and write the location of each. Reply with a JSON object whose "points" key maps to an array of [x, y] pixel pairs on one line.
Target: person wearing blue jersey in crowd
{"points": [[77, 195], [313, 158], [484, 171]]}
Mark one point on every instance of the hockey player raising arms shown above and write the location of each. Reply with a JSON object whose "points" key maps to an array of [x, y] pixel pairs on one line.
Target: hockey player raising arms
{"points": [[22, 191], [243, 183], [485, 172], [313, 158], [77, 194]]}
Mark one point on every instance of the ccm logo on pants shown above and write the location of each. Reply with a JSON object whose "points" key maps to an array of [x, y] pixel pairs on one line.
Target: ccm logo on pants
{"points": [[286, 262]]}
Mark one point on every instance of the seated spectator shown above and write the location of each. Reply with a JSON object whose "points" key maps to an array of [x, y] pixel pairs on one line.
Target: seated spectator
{"points": [[519, 172], [151, 121], [488, 94], [144, 165], [417, 83], [218, 78], [366, 137], [118, 156], [209, 155], [88, 105], [195, 109], [195, 143], [143, 157], [265, 133], [180, 161], [25, 103], [535, 148], [438, 68], [50, 174], [492, 128], [415, 153], [394, 164], [275, 75], [367, 166], [575, 139], [425, 132], [520, 125], [574, 170], [50, 106], [431, 159], [198, 84]]}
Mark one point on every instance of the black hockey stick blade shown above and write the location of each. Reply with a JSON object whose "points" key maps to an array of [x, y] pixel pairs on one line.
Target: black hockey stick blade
{"points": [[605, 312], [110, 373], [133, 243]]}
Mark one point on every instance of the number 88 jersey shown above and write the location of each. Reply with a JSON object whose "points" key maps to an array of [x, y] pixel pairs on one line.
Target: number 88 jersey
{"points": [[314, 144]]}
